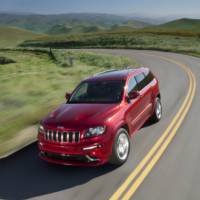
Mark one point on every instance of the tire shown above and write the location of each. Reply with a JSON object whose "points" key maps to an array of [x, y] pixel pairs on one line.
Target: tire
{"points": [[157, 114], [121, 148]]}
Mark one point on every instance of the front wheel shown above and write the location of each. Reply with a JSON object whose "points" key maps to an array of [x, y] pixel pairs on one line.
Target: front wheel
{"points": [[121, 147], [157, 114]]}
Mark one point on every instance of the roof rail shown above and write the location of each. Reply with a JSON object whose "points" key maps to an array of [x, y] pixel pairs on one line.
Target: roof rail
{"points": [[129, 67], [111, 70], [144, 68]]}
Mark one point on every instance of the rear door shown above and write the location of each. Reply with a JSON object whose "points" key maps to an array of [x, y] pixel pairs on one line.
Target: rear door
{"points": [[134, 107], [144, 88]]}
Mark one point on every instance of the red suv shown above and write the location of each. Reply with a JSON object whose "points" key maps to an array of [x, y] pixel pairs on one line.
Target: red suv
{"points": [[94, 126]]}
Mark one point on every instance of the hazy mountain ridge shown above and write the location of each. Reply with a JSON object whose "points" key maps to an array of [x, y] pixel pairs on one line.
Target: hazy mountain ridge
{"points": [[84, 24], [184, 24], [45, 23]]}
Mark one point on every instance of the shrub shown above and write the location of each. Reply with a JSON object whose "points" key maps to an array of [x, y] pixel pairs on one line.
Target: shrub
{"points": [[4, 60]]}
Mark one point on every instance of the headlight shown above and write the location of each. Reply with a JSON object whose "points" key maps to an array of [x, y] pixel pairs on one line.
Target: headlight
{"points": [[96, 131], [41, 129]]}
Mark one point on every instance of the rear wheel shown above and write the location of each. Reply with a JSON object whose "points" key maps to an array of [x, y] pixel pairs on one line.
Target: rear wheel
{"points": [[157, 114], [121, 147]]}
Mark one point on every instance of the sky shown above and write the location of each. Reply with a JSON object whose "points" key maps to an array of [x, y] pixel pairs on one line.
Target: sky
{"points": [[185, 8]]}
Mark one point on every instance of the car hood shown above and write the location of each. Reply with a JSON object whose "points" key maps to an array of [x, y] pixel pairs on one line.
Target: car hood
{"points": [[80, 115]]}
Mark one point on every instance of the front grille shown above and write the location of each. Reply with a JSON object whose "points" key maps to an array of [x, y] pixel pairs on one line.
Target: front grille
{"points": [[62, 136]]}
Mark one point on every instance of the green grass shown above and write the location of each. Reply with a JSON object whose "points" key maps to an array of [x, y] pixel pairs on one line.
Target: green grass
{"points": [[177, 36], [186, 42], [36, 84], [184, 24], [5, 60], [63, 29], [11, 37], [36, 81], [103, 61]]}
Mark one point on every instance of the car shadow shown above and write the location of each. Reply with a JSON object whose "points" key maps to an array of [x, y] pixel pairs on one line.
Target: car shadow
{"points": [[23, 175], [148, 123]]}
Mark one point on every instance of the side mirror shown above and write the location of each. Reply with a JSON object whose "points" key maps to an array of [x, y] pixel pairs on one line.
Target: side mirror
{"points": [[133, 95], [67, 96]]}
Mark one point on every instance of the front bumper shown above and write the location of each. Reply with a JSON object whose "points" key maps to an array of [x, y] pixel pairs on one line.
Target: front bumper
{"points": [[89, 154]]}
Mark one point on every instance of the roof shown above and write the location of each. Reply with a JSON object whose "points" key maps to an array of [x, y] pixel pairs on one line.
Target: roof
{"points": [[115, 74]]}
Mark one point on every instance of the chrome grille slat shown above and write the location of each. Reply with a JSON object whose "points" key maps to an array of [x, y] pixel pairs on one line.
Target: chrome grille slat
{"points": [[73, 137], [52, 135], [47, 135], [67, 137], [62, 136], [57, 136]]}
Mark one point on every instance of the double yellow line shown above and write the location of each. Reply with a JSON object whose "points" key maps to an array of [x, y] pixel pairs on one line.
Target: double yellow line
{"points": [[137, 176]]}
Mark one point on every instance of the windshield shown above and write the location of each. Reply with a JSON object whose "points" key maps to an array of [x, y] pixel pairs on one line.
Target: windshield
{"points": [[98, 92]]}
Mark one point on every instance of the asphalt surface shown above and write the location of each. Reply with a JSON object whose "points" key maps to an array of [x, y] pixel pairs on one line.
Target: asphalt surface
{"points": [[175, 176]]}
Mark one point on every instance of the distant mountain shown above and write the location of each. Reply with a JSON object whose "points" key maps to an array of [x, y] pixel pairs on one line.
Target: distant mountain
{"points": [[136, 24], [184, 24], [125, 26], [119, 28], [59, 29], [10, 37], [43, 23], [62, 29], [154, 20], [64, 22]]}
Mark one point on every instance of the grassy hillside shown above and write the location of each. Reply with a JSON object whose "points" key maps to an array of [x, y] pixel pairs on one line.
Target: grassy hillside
{"points": [[136, 24], [187, 42], [44, 23], [22, 104], [181, 24], [10, 37], [119, 28], [179, 36], [63, 29]]}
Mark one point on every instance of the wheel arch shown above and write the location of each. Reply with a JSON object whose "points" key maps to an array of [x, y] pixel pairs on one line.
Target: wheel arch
{"points": [[125, 126], [159, 95]]}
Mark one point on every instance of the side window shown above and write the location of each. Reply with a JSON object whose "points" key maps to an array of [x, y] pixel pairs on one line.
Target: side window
{"points": [[146, 72], [132, 85], [81, 91], [140, 78], [148, 77]]}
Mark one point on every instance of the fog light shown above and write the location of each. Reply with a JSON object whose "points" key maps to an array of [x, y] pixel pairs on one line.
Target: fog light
{"points": [[90, 148]]}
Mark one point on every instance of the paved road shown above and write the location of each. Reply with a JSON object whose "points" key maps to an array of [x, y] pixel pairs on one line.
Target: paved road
{"points": [[175, 176]]}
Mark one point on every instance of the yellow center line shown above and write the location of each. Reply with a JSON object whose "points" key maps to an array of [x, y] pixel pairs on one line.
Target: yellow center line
{"points": [[179, 116], [155, 159]]}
